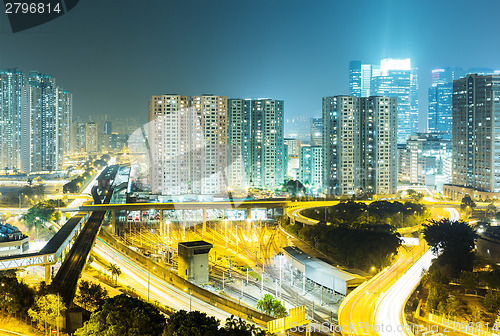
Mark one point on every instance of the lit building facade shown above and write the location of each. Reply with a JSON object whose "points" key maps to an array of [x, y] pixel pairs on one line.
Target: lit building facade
{"points": [[392, 78], [11, 108], [360, 76], [311, 168], [359, 144], [92, 137], [316, 132], [239, 142], [476, 150], [187, 145], [49, 111], [426, 160], [268, 168], [439, 116]]}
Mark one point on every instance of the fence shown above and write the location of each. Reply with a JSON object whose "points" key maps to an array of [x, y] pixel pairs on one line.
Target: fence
{"points": [[470, 328]]}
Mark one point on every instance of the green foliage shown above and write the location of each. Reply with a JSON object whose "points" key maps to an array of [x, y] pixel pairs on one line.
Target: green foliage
{"points": [[15, 296], [184, 323], [99, 164], [42, 211], [90, 296], [46, 309], [271, 306], [491, 301], [469, 280], [467, 203], [357, 214], [115, 271], [456, 241], [415, 195], [448, 307], [78, 183], [237, 327], [491, 210], [437, 293], [348, 244], [124, 315], [294, 188]]}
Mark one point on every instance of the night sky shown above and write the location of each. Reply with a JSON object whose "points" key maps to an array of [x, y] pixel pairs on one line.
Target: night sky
{"points": [[113, 55]]}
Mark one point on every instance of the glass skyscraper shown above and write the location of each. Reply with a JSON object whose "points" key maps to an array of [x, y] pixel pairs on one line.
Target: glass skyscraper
{"points": [[439, 116], [392, 78], [316, 131]]}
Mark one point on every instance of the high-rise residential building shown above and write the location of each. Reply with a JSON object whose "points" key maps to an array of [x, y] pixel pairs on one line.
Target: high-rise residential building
{"points": [[65, 112], [213, 110], [268, 169], [360, 75], [174, 136], [239, 142], [426, 160], [316, 131], [187, 144], [476, 109], [49, 110], [359, 145], [11, 108], [311, 168], [439, 116], [78, 137], [91, 137], [293, 146]]}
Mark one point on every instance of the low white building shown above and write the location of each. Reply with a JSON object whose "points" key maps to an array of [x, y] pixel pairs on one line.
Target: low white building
{"points": [[12, 241]]}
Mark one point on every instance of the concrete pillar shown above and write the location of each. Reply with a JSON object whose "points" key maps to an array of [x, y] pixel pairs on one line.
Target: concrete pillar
{"points": [[204, 228], [304, 283], [47, 274], [162, 226]]}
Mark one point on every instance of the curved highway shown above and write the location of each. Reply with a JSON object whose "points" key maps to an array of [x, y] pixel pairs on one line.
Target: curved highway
{"points": [[377, 306]]}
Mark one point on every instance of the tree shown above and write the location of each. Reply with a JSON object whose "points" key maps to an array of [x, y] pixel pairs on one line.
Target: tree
{"points": [[40, 212], [491, 210], [456, 242], [15, 296], [294, 188], [468, 281], [238, 327], [183, 323], [115, 271], [467, 204], [47, 309], [270, 306], [124, 315], [91, 296]]}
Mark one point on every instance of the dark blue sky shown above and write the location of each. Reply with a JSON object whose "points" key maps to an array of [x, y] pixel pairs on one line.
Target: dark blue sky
{"points": [[114, 54]]}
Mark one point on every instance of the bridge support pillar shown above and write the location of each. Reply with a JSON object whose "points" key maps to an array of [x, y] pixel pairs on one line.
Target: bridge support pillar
{"points": [[249, 220], [47, 274], [113, 222], [204, 228], [162, 226]]}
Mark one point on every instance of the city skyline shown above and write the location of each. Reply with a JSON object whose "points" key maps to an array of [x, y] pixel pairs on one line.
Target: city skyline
{"points": [[114, 56]]}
